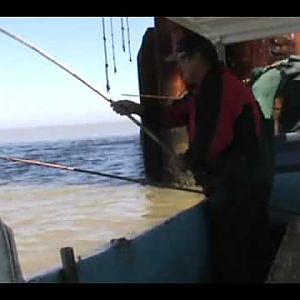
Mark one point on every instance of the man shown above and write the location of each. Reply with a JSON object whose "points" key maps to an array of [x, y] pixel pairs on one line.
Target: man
{"points": [[225, 133]]}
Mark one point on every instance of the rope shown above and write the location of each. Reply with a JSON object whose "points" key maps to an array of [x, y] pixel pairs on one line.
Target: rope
{"points": [[113, 44], [128, 39], [105, 55], [122, 32]]}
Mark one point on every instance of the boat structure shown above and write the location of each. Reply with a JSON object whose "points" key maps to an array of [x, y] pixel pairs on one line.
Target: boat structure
{"points": [[177, 251]]}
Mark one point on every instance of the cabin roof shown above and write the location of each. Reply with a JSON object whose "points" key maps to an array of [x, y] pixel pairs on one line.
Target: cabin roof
{"points": [[239, 29]]}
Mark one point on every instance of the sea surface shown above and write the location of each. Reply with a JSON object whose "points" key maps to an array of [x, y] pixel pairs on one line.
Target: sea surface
{"points": [[48, 209]]}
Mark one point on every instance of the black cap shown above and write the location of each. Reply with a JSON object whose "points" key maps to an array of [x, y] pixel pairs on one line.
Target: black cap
{"points": [[193, 43]]}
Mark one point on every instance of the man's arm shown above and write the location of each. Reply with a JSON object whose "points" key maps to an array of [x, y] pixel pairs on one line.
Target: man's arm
{"points": [[173, 115]]}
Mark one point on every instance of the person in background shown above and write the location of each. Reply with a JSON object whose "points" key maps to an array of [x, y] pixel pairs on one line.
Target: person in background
{"points": [[277, 89]]}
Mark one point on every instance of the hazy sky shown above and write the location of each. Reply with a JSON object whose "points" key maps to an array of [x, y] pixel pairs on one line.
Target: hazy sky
{"points": [[34, 92]]}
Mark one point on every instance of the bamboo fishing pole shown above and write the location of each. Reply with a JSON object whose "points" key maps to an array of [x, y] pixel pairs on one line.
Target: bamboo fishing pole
{"points": [[181, 96], [151, 96], [135, 121], [73, 169], [67, 168]]}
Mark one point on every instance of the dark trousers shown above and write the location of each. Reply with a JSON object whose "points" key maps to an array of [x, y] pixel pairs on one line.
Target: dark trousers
{"points": [[239, 225]]}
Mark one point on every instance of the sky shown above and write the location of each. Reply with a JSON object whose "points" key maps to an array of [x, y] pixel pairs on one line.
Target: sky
{"points": [[35, 92]]}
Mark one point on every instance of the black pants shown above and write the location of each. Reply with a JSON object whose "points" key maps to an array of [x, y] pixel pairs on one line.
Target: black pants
{"points": [[239, 225]]}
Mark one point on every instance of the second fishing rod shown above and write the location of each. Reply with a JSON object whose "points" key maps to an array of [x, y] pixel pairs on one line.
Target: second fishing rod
{"points": [[92, 172]]}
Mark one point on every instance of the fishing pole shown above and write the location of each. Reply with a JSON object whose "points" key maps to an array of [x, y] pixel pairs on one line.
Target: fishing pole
{"points": [[151, 96], [179, 97], [105, 56], [73, 169], [113, 44], [42, 53], [67, 168]]}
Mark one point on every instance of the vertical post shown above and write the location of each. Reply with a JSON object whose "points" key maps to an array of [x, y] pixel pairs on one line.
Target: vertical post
{"points": [[160, 78], [148, 85], [69, 265]]}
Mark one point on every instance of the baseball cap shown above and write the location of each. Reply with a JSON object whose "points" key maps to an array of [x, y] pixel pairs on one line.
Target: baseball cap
{"points": [[192, 43]]}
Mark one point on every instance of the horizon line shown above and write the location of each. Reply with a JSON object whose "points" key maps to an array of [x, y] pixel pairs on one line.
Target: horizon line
{"points": [[67, 124]]}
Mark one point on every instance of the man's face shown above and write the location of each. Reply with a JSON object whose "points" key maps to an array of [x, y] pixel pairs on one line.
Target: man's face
{"points": [[192, 67]]}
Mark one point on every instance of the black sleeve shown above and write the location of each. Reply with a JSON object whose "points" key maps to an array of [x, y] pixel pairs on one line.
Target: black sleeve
{"points": [[246, 142], [152, 114], [244, 150], [158, 114]]}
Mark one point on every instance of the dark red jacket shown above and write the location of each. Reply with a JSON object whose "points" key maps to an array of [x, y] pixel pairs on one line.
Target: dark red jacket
{"points": [[235, 98]]}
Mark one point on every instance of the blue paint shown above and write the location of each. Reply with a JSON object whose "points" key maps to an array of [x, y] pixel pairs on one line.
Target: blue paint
{"points": [[177, 250], [156, 256], [286, 192]]}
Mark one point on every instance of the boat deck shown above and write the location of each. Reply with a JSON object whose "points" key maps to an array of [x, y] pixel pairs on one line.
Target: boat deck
{"points": [[286, 266]]}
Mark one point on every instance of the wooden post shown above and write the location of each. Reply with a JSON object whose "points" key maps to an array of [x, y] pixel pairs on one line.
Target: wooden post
{"points": [[69, 265], [152, 154], [157, 77]]}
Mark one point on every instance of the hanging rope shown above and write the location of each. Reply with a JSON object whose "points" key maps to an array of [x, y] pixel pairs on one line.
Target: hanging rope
{"points": [[73, 169], [105, 56], [128, 39], [122, 33], [113, 44], [164, 147]]}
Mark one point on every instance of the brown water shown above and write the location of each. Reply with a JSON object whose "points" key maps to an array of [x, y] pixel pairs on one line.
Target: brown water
{"points": [[49, 209], [84, 217]]}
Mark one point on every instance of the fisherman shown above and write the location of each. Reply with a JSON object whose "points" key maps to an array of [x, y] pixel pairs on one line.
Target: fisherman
{"points": [[224, 122]]}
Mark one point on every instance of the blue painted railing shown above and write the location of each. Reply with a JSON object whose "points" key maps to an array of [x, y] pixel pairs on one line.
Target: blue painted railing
{"points": [[175, 251]]}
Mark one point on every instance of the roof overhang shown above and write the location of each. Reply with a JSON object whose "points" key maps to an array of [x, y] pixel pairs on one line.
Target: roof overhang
{"points": [[239, 29]]}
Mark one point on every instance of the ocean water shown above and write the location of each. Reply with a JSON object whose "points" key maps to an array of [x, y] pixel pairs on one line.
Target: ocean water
{"points": [[49, 209]]}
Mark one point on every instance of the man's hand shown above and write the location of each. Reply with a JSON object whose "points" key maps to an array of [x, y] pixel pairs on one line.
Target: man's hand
{"points": [[126, 107]]}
